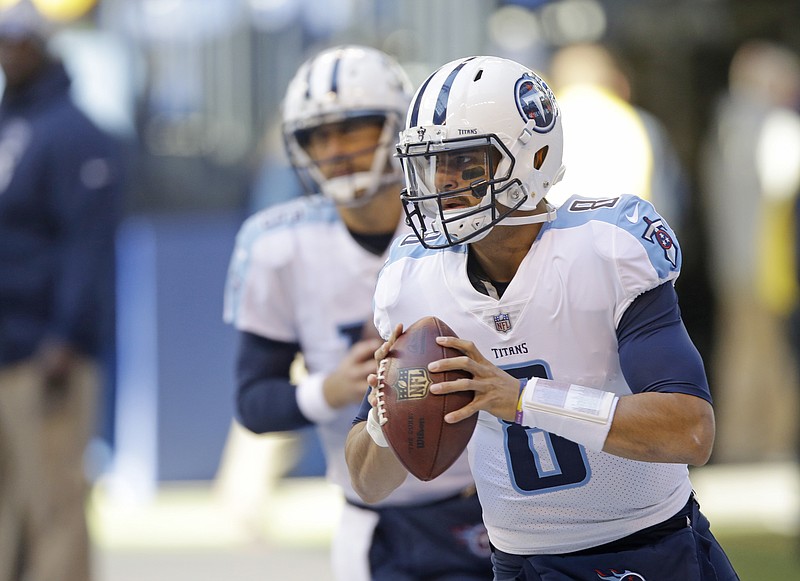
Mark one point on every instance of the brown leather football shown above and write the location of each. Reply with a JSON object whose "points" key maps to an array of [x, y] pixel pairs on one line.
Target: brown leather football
{"points": [[415, 426]]}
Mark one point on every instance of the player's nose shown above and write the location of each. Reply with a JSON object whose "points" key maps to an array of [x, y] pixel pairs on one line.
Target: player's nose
{"points": [[446, 180]]}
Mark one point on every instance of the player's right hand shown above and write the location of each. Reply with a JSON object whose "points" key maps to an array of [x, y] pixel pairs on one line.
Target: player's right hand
{"points": [[346, 384], [495, 390]]}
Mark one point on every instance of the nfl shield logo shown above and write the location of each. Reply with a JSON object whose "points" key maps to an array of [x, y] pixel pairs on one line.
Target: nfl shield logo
{"points": [[502, 322]]}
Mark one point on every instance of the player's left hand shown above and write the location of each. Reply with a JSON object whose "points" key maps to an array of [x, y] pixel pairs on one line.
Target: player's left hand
{"points": [[380, 353], [496, 391], [345, 384]]}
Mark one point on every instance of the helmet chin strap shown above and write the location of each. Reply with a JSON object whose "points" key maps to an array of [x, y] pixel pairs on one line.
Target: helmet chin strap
{"points": [[477, 222], [342, 190], [547, 216]]}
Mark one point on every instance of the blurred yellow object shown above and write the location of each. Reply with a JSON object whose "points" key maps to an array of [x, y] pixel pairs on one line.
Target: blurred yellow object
{"points": [[64, 10], [60, 10], [776, 283], [607, 150], [778, 167]]}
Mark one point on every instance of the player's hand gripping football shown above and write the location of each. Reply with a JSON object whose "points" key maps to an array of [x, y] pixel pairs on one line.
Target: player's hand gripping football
{"points": [[381, 353], [345, 385], [496, 391]]}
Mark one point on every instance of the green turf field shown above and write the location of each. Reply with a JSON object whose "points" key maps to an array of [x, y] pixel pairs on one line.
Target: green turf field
{"points": [[763, 556]]}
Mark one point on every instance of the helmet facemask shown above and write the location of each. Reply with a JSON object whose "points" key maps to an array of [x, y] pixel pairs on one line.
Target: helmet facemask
{"points": [[441, 175], [355, 186], [483, 167]]}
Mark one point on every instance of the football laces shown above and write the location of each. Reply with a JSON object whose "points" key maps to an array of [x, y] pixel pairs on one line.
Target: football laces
{"points": [[379, 395]]}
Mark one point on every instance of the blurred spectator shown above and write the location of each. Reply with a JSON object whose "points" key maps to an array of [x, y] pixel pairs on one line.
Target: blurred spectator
{"points": [[610, 145], [751, 173], [794, 317], [59, 185]]}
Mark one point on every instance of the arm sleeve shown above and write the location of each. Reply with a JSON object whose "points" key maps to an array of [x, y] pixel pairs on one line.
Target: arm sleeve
{"points": [[363, 411], [655, 350], [266, 400]]}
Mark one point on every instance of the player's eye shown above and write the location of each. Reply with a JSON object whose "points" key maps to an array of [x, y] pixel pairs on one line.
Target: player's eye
{"points": [[473, 172]]}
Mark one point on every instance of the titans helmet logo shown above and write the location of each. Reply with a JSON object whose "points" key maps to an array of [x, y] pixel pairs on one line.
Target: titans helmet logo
{"points": [[535, 101]]}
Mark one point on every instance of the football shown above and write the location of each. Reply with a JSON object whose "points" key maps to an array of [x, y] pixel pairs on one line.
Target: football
{"points": [[412, 417]]}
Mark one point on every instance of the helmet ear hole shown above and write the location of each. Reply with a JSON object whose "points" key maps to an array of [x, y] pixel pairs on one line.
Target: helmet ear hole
{"points": [[540, 156]]}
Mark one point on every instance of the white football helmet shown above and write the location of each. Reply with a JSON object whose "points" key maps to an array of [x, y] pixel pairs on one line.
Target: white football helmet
{"points": [[493, 110], [342, 83]]}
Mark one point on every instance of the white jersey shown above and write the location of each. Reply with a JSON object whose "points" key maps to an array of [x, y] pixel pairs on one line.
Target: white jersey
{"points": [[543, 494], [298, 276]]}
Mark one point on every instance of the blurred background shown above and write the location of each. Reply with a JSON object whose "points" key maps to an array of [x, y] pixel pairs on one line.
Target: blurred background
{"points": [[691, 103]]}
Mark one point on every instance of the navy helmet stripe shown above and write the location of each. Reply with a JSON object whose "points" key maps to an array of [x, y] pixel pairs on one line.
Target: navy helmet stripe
{"points": [[440, 113], [335, 75], [308, 78], [415, 110]]}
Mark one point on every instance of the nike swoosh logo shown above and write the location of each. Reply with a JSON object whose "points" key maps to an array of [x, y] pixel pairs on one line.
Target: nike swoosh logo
{"points": [[634, 217]]}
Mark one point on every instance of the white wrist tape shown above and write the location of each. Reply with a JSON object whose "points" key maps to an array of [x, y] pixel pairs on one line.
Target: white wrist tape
{"points": [[577, 413], [311, 400], [374, 429]]}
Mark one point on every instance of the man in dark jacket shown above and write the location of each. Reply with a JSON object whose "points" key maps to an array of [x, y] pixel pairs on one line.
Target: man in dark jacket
{"points": [[59, 194]]}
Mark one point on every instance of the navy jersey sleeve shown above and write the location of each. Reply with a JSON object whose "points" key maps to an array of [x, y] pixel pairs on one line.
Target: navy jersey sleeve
{"points": [[363, 411], [266, 400], [655, 350]]}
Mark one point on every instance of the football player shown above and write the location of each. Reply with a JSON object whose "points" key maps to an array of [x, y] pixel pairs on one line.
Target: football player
{"points": [[302, 278], [592, 399]]}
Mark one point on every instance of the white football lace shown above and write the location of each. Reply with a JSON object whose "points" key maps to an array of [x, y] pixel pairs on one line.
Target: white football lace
{"points": [[381, 404]]}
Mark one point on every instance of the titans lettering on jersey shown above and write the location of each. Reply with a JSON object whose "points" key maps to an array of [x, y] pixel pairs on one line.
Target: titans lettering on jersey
{"points": [[500, 352], [556, 319]]}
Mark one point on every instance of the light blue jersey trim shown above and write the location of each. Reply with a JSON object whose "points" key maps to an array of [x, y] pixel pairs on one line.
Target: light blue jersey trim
{"points": [[635, 216], [409, 246], [294, 214]]}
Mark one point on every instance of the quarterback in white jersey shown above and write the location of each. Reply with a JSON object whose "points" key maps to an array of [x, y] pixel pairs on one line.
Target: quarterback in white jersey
{"points": [[591, 398], [302, 278], [558, 319]]}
